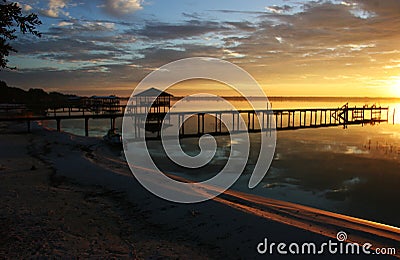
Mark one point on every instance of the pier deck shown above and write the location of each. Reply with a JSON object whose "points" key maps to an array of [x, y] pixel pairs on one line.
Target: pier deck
{"points": [[277, 119]]}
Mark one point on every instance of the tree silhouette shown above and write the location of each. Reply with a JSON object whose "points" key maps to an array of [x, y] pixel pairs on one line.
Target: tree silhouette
{"points": [[11, 17]]}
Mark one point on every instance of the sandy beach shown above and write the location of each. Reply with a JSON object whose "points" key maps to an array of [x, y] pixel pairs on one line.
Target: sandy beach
{"points": [[44, 214], [68, 196]]}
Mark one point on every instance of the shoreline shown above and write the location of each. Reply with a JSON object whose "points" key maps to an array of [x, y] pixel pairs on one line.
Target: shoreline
{"points": [[231, 225]]}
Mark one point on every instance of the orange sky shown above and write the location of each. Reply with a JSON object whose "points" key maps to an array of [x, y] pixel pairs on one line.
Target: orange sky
{"points": [[292, 48]]}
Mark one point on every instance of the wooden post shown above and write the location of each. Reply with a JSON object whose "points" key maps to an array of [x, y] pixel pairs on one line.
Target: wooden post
{"points": [[216, 123], [263, 121], [394, 114], [320, 118], [316, 115], [233, 121], [183, 124], [300, 118], [363, 116], [238, 122], [202, 125], [159, 124], [112, 123], [198, 124], [179, 124], [220, 122], [294, 118], [86, 126], [58, 125], [248, 121], [253, 120]]}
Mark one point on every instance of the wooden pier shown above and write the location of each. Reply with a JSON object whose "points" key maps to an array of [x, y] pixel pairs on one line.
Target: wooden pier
{"points": [[211, 122], [291, 119]]}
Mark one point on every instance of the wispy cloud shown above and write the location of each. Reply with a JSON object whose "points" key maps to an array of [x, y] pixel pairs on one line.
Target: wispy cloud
{"points": [[159, 31]]}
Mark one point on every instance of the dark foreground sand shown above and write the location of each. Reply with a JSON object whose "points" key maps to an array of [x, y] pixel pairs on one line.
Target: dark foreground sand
{"points": [[43, 214], [59, 200]]}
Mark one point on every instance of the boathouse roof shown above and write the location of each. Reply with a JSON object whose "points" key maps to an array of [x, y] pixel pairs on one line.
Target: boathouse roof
{"points": [[153, 92]]}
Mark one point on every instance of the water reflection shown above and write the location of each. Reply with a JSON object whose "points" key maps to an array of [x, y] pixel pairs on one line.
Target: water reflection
{"points": [[355, 171]]}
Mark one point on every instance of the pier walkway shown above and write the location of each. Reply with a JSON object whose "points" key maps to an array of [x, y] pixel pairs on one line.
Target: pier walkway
{"points": [[210, 122]]}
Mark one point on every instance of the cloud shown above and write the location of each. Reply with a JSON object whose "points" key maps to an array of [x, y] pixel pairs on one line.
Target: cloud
{"points": [[159, 31], [389, 8], [326, 38], [83, 81], [77, 28], [25, 7], [102, 32], [64, 23], [122, 7], [81, 51], [243, 26], [279, 9], [55, 8]]}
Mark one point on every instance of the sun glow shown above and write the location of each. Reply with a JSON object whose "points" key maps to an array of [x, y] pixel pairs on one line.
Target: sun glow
{"points": [[395, 87]]}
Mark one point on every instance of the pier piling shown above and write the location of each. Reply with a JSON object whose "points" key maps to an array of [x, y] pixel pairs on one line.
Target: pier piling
{"points": [[86, 126]]}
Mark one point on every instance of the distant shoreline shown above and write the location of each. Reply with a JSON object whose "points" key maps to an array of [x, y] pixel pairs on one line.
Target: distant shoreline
{"points": [[18, 95]]}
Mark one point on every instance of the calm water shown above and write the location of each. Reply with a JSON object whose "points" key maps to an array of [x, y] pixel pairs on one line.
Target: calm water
{"points": [[354, 171]]}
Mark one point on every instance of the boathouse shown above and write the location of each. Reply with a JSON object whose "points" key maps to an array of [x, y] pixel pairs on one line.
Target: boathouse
{"points": [[156, 104], [161, 105], [103, 104]]}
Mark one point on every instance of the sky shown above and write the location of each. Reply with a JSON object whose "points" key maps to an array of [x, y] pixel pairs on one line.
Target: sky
{"points": [[292, 48]]}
